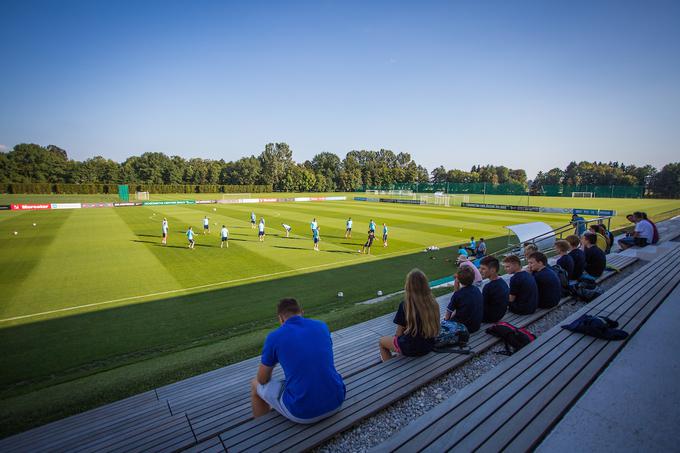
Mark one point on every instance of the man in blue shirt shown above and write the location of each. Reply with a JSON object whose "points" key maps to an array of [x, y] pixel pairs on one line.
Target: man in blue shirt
{"points": [[495, 293], [577, 256], [384, 235], [190, 237], [312, 389], [579, 224], [315, 237], [596, 260], [523, 298], [466, 305], [547, 281], [371, 226]]}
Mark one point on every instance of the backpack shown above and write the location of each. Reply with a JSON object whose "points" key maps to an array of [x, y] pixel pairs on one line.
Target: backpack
{"points": [[453, 337], [586, 290], [655, 235], [514, 338], [563, 275]]}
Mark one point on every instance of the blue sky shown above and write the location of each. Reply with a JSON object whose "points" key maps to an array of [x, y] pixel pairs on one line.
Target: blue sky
{"points": [[530, 84]]}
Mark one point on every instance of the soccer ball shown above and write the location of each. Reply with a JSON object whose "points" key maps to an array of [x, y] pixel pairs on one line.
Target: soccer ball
{"points": [[341, 294], [379, 293], [460, 229], [214, 209], [35, 224], [16, 232]]}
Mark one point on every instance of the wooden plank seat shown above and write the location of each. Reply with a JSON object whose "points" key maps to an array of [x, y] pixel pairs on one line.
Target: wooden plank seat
{"points": [[212, 402], [513, 406]]}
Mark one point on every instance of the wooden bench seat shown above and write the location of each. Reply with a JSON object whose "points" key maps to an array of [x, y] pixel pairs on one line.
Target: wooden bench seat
{"points": [[513, 406]]}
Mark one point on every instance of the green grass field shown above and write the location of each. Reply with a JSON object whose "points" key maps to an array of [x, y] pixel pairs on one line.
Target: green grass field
{"points": [[94, 308]]}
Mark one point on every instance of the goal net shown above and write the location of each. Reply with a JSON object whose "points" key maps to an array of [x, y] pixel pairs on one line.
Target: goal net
{"points": [[458, 199], [402, 194], [582, 195], [142, 195]]}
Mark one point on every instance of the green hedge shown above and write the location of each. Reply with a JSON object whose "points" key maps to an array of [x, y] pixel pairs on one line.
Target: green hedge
{"points": [[49, 188]]}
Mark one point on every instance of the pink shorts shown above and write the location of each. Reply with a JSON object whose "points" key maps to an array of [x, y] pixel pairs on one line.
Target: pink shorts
{"points": [[396, 345]]}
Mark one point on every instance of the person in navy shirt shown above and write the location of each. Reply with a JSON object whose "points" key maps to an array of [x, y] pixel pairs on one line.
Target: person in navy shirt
{"points": [[565, 261], [417, 320], [577, 256], [596, 260], [312, 389], [466, 305], [523, 298], [495, 292], [579, 224], [547, 281]]}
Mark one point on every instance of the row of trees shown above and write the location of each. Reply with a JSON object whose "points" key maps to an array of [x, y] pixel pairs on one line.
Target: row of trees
{"points": [[31, 163]]}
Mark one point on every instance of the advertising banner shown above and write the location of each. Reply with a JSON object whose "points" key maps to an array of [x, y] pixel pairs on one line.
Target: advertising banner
{"points": [[4, 207], [400, 201], [30, 207], [585, 211], [166, 203], [335, 198], [504, 207], [96, 205], [556, 210], [606, 213], [229, 201], [66, 205], [248, 200], [302, 199], [126, 204], [206, 201]]}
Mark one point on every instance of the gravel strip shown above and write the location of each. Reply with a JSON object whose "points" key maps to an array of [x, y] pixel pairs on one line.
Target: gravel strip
{"points": [[378, 428]]}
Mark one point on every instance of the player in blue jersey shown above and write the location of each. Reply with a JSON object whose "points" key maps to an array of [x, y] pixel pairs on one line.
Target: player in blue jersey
{"points": [[371, 226], [315, 237], [190, 237], [314, 225], [260, 230], [384, 235]]}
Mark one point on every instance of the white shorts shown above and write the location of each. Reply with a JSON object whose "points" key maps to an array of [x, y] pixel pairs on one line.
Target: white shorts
{"points": [[272, 393]]}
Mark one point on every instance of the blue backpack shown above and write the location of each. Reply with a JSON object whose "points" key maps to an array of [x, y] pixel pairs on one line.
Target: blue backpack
{"points": [[453, 337]]}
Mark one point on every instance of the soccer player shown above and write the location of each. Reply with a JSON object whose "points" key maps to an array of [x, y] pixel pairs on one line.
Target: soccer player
{"points": [[224, 233], [369, 242], [348, 229], [315, 236], [164, 227], [371, 225], [384, 235], [190, 237], [287, 228], [252, 220], [314, 225], [260, 232], [206, 224]]}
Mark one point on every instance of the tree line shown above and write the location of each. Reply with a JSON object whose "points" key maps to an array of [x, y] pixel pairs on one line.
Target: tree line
{"points": [[31, 163]]}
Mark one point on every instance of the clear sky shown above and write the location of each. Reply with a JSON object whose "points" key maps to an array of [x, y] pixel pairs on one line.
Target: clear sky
{"points": [[529, 84]]}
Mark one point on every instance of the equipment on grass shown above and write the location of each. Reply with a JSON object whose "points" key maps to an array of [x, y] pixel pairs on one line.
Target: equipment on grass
{"points": [[379, 293], [142, 195], [582, 195], [341, 294]]}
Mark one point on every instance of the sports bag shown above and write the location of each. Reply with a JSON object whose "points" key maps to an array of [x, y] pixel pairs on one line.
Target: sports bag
{"points": [[563, 275], [586, 290], [514, 338], [597, 326], [453, 337]]}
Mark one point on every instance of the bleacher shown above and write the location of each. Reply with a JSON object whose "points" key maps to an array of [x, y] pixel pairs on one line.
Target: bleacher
{"points": [[212, 411], [214, 408], [514, 406]]}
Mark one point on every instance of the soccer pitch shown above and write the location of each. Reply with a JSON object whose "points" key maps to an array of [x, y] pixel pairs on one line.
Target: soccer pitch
{"points": [[89, 290]]}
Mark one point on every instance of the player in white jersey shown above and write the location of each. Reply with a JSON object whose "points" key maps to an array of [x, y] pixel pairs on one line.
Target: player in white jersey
{"points": [[348, 229], [314, 225], [165, 227], [206, 224], [224, 234], [260, 230], [287, 228]]}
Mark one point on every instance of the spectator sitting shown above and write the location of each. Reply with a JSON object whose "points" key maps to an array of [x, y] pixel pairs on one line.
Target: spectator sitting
{"points": [[608, 235], [464, 261], [312, 389], [596, 260], [466, 305], [565, 261], [529, 248], [417, 320], [472, 248], [601, 241], [577, 255], [462, 251], [655, 236], [495, 292], [481, 248], [547, 281], [643, 234], [579, 224], [523, 298]]}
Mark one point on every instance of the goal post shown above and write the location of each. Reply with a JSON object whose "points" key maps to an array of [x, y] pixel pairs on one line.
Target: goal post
{"points": [[582, 195], [142, 195], [458, 199]]}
